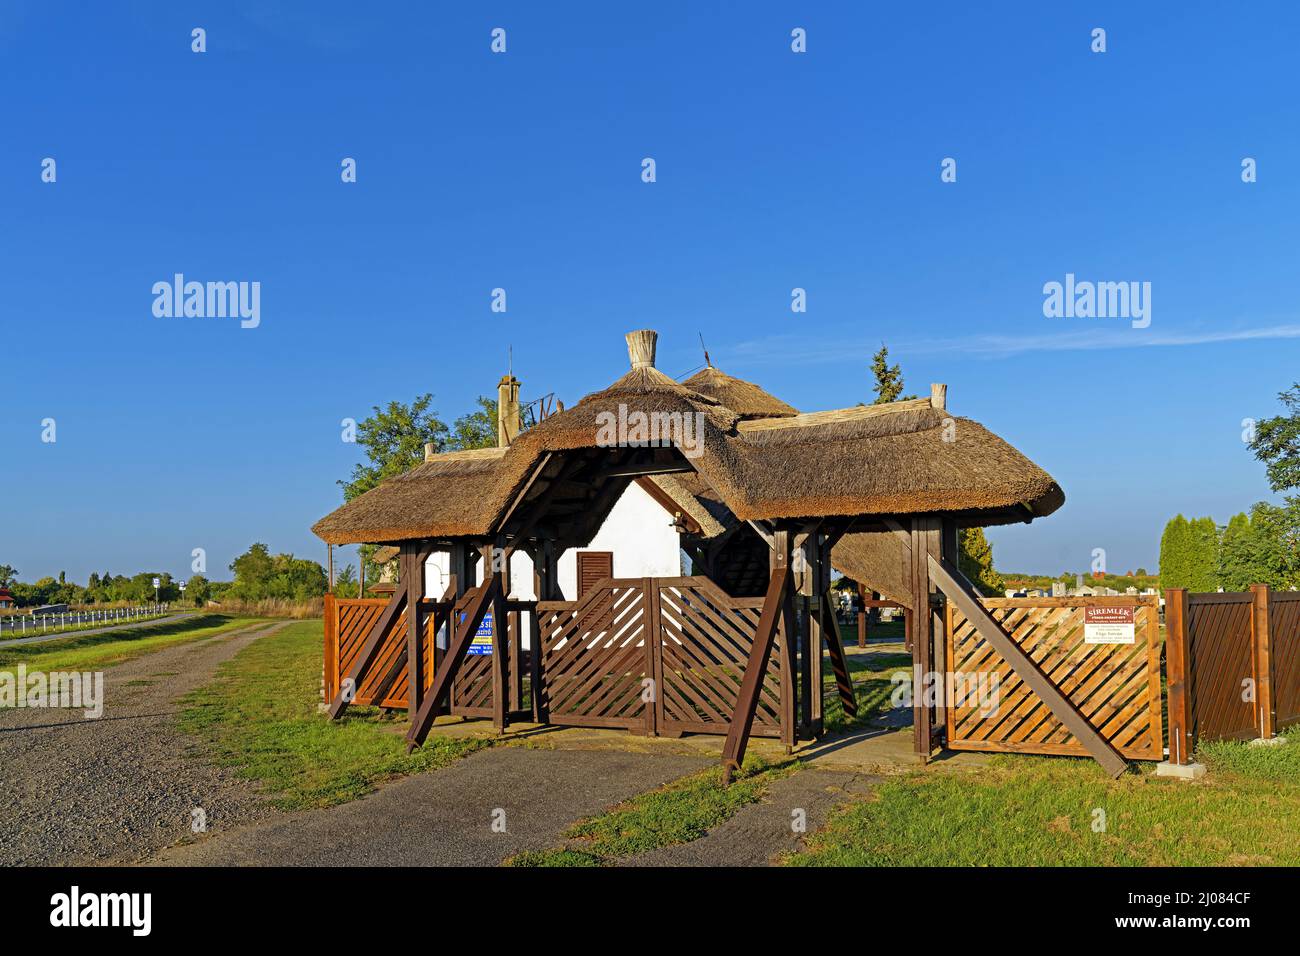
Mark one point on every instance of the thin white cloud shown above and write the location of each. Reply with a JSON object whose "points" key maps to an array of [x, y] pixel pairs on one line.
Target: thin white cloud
{"points": [[831, 348]]}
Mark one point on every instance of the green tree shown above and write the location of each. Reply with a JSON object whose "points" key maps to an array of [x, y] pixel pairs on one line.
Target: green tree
{"points": [[1277, 442], [198, 590], [1203, 560], [889, 378], [345, 584], [476, 429], [393, 439], [975, 560], [1174, 545], [8, 575]]}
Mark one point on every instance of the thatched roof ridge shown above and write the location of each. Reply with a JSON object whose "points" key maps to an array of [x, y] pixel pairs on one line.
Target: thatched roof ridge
{"points": [[744, 398], [902, 458]]}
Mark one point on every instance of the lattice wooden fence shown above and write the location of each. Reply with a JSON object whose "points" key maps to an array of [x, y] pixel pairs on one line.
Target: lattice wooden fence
{"points": [[706, 637], [658, 656], [348, 622], [1116, 687]]}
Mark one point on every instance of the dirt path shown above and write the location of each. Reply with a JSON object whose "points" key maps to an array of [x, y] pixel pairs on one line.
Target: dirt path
{"points": [[447, 818], [116, 789]]}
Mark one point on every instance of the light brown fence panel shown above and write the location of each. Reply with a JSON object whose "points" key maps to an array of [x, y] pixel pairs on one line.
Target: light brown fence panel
{"points": [[705, 640], [1284, 631], [347, 626], [1115, 686], [595, 657], [1220, 666]]}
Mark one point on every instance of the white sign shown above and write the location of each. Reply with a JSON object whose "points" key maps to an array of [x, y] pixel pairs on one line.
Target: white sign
{"points": [[1108, 625], [157, 583]]}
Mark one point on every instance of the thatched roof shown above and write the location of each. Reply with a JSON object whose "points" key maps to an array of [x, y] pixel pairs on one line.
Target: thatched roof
{"points": [[746, 399], [881, 460]]}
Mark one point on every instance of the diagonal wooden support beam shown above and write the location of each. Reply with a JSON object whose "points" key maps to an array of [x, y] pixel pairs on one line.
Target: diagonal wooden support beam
{"points": [[959, 590], [455, 656], [839, 662], [369, 651], [774, 602]]}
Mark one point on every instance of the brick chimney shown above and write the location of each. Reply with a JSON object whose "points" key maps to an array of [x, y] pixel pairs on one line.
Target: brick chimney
{"points": [[507, 410]]}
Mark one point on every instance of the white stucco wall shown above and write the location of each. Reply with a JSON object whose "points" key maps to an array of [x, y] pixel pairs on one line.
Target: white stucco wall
{"points": [[640, 534], [638, 531]]}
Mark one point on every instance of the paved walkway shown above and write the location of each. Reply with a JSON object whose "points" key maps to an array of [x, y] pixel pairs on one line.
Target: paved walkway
{"points": [[123, 625], [118, 788], [446, 818], [794, 807]]}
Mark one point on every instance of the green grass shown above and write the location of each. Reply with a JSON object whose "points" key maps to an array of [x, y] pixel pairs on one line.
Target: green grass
{"points": [[94, 651], [1040, 811], [871, 672], [679, 812], [260, 716]]}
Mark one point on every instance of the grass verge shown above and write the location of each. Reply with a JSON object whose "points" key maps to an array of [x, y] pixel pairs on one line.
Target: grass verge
{"points": [[93, 651], [679, 812], [1044, 811], [260, 716]]}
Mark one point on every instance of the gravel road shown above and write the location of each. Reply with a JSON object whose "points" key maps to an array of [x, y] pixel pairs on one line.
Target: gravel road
{"points": [[119, 788]]}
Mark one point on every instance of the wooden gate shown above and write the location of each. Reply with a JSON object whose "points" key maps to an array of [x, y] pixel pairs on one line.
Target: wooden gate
{"points": [[1220, 662], [1116, 687], [706, 636], [658, 656], [348, 622]]}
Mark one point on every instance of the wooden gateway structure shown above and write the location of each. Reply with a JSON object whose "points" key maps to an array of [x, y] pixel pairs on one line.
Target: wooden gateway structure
{"points": [[768, 499]]}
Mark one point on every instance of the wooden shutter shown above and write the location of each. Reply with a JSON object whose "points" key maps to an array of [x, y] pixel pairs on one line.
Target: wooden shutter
{"points": [[592, 567]]}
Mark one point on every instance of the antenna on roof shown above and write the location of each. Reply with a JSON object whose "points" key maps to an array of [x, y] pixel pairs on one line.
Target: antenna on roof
{"points": [[707, 363], [510, 360]]}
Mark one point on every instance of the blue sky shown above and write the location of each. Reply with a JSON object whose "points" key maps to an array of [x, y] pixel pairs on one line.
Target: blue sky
{"points": [[775, 170]]}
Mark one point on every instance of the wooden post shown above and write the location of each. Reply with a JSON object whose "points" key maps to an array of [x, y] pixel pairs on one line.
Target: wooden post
{"points": [[1178, 672], [329, 551], [949, 550], [544, 589], [780, 558], [818, 586], [925, 542], [495, 567], [1263, 658], [462, 635], [742, 720], [412, 572], [862, 616], [331, 647]]}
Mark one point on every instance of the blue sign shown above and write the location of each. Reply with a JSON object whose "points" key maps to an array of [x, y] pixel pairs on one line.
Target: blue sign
{"points": [[482, 642]]}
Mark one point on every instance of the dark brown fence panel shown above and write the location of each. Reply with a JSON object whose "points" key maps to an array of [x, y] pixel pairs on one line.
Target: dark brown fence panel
{"points": [[595, 657], [706, 637], [1220, 666], [1115, 686], [1284, 637]]}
